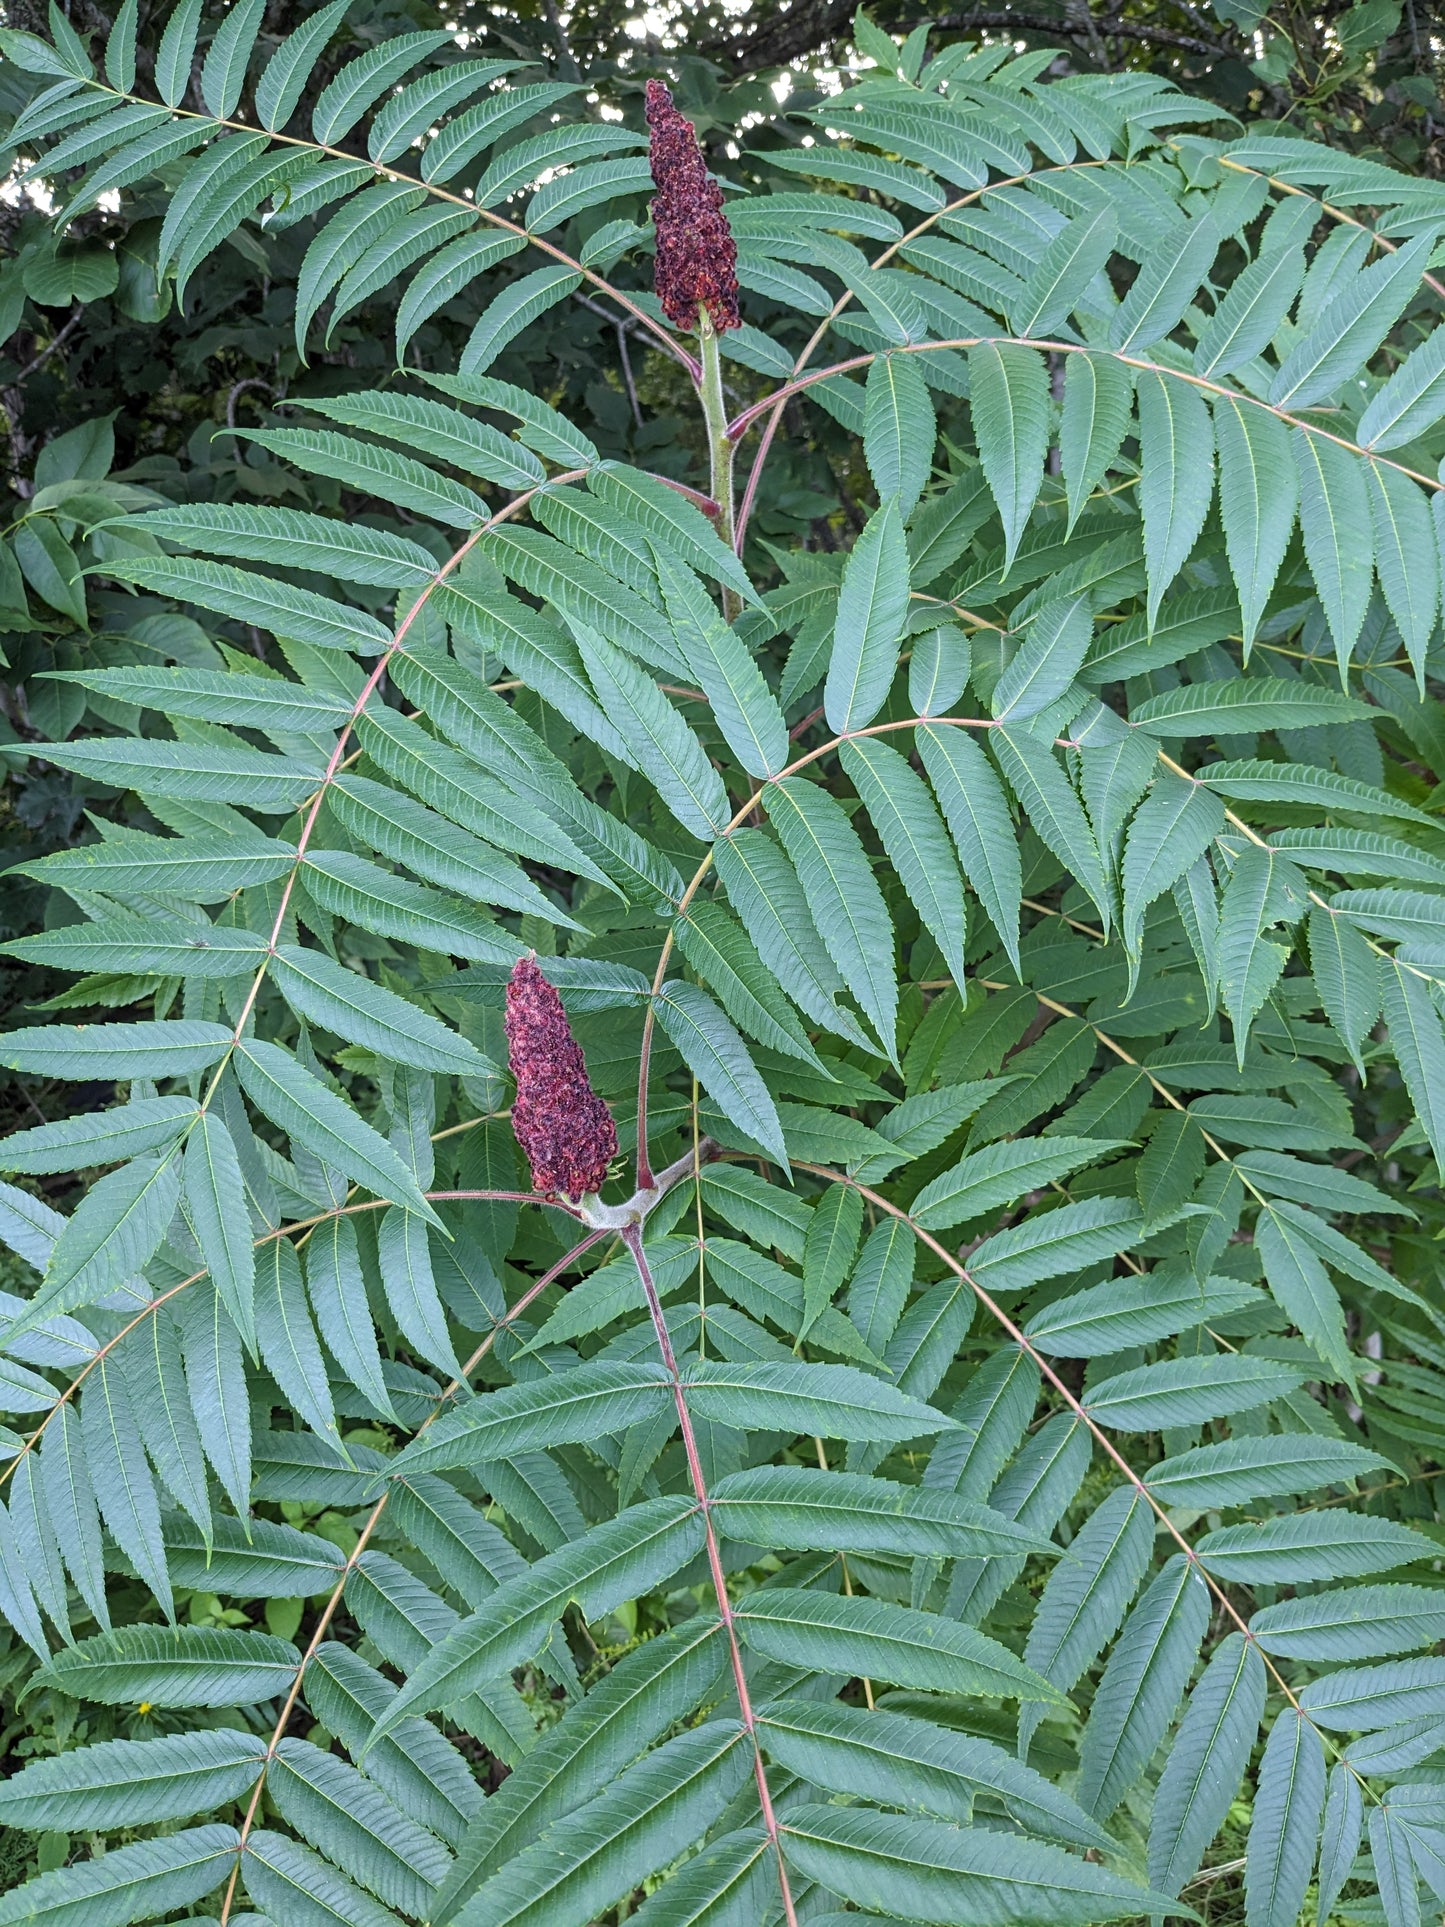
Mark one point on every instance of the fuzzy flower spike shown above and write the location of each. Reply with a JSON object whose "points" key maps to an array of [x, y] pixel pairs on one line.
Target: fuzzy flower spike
{"points": [[697, 258], [560, 1122]]}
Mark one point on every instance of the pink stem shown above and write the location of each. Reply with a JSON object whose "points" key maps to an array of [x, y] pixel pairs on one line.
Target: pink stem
{"points": [[632, 1238]]}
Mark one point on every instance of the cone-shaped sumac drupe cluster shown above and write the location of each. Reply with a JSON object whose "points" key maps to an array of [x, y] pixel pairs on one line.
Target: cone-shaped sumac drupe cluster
{"points": [[560, 1122], [697, 258]]}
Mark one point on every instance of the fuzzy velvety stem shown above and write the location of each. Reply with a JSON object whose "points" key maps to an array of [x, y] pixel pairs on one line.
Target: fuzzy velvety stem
{"points": [[632, 1238], [720, 443]]}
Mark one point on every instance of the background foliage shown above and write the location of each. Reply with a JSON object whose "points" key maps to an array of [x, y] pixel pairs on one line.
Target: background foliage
{"points": [[1020, 1499]]}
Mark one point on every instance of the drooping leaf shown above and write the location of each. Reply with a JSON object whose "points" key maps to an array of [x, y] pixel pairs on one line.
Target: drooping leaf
{"points": [[872, 609], [1206, 1761], [1010, 401]]}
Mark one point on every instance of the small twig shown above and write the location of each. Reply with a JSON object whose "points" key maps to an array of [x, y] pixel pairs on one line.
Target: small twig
{"points": [[57, 342], [238, 389], [566, 59]]}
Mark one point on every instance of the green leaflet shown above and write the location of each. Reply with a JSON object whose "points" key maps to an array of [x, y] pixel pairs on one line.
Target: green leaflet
{"points": [[729, 1881], [1050, 802], [829, 1247], [420, 1770], [196, 869], [899, 430], [978, 817], [1335, 521], [797, 1507], [274, 1561], [1302, 1287], [1350, 328], [1326, 1545], [289, 538], [1087, 1594], [912, 833], [1411, 400], [742, 703], [612, 1562], [1258, 493], [325, 1124], [1163, 288], [448, 273], [834, 1400], [831, 1634], [626, 1833], [514, 310], [1206, 1761], [765, 890], [202, 772], [293, 1882], [1172, 828], [718, 950], [1173, 1393], [1249, 962], [443, 433], [435, 849], [179, 1666], [1010, 397], [1098, 402], [1051, 1242], [1176, 443], [844, 1748], [668, 752], [1062, 278], [1347, 976], [124, 1489], [263, 702], [719, 1059], [842, 894], [1250, 313], [159, 1396], [952, 1875], [998, 1174], [343, 1001], [133, 1782], [113, 1232], [393, 906], [1376, 1696], [361, 81], [396, 478], [669, 516], [145, 1877], [585, 1403], [872, 610], [1044, 669], [1238, 1470], [261, 599], [1285, 1831], [1405, 558], [1142, 1685], [1355, 1622], [632, 1706], [341, 1812], [1340, 1835], [287, 1338], [336, 1289], [286, 72]]}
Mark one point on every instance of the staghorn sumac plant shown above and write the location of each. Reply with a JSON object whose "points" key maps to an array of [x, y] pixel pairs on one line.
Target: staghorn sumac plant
{"points": [[954, 1394]]}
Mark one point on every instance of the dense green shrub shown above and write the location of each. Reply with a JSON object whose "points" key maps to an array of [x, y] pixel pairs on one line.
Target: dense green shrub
{"points": [[980, 1445]]}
